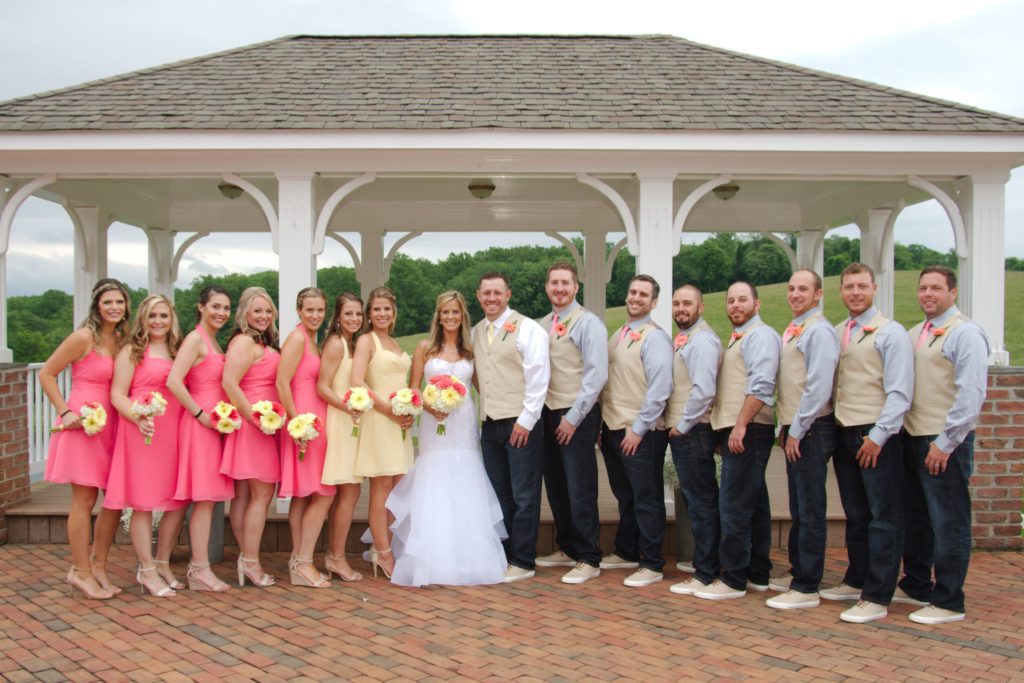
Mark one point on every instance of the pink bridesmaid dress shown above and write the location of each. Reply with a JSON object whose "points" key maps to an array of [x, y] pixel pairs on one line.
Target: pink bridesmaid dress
{"points": [[248, 452], [143, 477], [75, 458], [301, 478], [200, 448]]}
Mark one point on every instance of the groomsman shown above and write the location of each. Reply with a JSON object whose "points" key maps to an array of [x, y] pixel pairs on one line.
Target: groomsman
{"points": [[807, 367], [950, 373], [512, 369], [874, 383], [698, 352], [632, 438], [742, 419], [572, 418]]}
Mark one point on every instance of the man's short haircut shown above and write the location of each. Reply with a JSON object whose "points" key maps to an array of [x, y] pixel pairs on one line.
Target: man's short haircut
{"points": [[753, 289], [563, 265], [655, 288], [814, 276], [941, 270], [695, 288], [856, 268], [493, 275]]}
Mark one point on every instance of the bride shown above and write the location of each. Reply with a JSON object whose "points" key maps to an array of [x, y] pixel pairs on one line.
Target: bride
{"points": [[448, 525]]}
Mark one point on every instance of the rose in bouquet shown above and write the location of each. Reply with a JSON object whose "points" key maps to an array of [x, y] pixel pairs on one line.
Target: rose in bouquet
{"points": [[303, 428], [149, 406], [406, 402], [94, 419], [269, 416], [227, 418], [357, 400], [443, 394]]}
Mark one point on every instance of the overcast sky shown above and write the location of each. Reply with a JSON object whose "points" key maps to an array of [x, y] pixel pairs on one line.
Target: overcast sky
{"points": [[967, 52]]}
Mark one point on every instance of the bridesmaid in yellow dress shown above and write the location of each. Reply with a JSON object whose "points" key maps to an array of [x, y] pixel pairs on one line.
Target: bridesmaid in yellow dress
{"points": [[383, 454], [339, 465]]}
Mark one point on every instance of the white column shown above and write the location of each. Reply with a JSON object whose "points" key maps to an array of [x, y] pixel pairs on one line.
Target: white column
{"points": [[593, 275], [91, 225], [371, 258], [877, 251], [810, 250], [161, 261], [982, 295], [654, 235], [297, 262], [6, 355]]}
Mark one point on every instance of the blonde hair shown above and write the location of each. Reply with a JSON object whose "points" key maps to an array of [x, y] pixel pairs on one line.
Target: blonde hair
{"points": [[380, 293], [309, 293], [245, 302], [94, 320], [139, 339], [436, 334]]}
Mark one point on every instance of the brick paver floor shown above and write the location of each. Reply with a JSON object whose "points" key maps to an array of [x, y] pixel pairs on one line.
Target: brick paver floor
{"points": [[538, 629]]}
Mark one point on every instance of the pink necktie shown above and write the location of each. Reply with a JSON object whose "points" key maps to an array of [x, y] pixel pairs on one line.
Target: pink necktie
{"points": [[923, 336], [554, 322], [849, 331], [622, 334]]}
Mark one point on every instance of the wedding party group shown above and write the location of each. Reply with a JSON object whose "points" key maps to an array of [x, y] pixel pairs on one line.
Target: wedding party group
{"points": [[159, 422]]}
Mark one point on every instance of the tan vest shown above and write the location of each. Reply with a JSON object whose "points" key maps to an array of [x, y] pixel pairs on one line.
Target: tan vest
{"points": [[860, 393], [682, 385], [499, 369], [732, 388], [566, 363], [934, 388], [792, 378], [624, 393]]}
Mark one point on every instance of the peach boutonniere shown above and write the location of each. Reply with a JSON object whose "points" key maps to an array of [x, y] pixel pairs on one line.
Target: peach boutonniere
{"points": [[510, 328], [680, 341], [734, 337], [634, 337], [867, 330], [561, 329], [936, 333], [794, 331]]}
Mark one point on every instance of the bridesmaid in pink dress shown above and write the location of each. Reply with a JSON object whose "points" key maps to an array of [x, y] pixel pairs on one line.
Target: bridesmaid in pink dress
{"points": [[80, 460], [300, 479], [195, 380], [251, 457], [145, 463]]}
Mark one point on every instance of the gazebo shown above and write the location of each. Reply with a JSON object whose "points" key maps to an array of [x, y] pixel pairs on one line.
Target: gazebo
{"points": [[333, 137]]}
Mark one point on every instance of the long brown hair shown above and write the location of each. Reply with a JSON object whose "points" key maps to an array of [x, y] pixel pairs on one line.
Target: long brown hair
{"points": [[269, 336], [436, 334], [379, 293], [94, 320], [334, 327], [139, 339]]}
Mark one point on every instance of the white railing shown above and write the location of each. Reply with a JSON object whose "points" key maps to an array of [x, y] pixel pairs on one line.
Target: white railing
{"points": [[41, 415]]}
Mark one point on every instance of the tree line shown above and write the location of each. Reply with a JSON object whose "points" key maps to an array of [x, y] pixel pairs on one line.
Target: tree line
{"points": [[37, 324]]}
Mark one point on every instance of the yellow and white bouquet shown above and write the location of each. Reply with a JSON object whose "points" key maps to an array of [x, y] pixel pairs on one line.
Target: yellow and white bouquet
{"points": [[94, 419], [151, 405], [269, 415], [444, 393], [303, 428], [226, 418], [406, 402], [357, 400]]}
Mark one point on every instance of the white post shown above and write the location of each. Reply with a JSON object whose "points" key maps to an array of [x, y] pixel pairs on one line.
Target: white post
{"points": [[6, 355], [654, 235], [877, 251], [161, 261], [593, 275], [810, 250], [982, 295], [296, 219], [371, 260], [91, 227]]}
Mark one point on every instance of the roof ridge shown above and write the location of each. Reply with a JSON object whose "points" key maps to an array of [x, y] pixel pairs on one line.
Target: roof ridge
{"points": [[616, 36], [147, 70], [854, 81]]}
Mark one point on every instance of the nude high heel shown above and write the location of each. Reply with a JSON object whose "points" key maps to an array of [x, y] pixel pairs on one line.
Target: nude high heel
{"points": [[164, 592], [197, 583], [375, 556], [329, 559], [109, 587], [297, 579], [75, 581], [243, 573], [173, 583]]}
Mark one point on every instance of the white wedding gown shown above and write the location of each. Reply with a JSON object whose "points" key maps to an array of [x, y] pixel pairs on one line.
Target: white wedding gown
{"points": [[448, 525]]}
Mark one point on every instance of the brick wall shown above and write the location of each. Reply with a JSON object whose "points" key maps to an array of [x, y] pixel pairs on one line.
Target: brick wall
{"points": [[998, 482], [14, 482]]}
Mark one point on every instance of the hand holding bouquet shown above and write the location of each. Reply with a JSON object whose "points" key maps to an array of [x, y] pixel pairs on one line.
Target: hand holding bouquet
{"points": [[269, 416], [406, 402], [303, 428], [227, 418], [358, 401], [94, 419], [443, 394], [149, 406]]}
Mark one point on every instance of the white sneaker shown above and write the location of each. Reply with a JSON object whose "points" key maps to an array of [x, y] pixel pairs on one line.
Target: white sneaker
{"points": [[514, 573], [793, 600], [642, 577], [759, 587], [935, 615], [581, 573], [863, 612], [901, 596], [781, 583], [556, 559], [841, 592], [686, 567], [718, 590], [613, 561], [687, 587]]}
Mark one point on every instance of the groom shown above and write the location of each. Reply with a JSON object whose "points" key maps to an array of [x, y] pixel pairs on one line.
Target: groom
{"points": [[512, 368]]}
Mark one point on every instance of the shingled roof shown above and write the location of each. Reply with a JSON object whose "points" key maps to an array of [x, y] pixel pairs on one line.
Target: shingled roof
{"points": [[516, 81]]}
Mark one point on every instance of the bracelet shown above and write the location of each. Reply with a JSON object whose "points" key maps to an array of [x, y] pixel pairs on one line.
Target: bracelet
{"points": [[198, 413], [65, 412]]}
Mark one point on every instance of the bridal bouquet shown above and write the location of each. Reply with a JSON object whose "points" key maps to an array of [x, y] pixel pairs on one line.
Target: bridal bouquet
{"points": [[357, 400], [269, 416], [406, 402], [149, 406], [94, 419], [444, 393], [303, 428], [227, 418]]}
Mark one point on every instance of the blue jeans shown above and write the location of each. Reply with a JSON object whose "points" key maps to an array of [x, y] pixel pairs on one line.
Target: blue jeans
{"points": [[744, 508], [873, 503], [938, 518], [638, 482], [515, 474], [694, 456], [570, 479], [806, 478]]}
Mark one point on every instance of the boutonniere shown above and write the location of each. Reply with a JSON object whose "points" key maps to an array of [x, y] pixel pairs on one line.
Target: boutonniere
{"points": [[867, 330], [680, 341], [734, 337], [561, 329], [510, 328], [936, 333], [794, 331], [634, 337]]}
